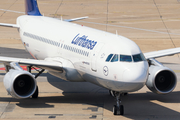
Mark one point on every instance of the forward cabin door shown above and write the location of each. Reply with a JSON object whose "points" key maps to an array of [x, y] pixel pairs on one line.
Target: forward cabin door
{"points": [[95, 54]]}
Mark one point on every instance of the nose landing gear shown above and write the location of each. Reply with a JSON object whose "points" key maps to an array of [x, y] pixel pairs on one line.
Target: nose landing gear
{"points": [[118, 109]]}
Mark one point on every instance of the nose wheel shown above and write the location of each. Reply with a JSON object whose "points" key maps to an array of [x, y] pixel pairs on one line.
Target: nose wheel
{"points": [[118, 109]]}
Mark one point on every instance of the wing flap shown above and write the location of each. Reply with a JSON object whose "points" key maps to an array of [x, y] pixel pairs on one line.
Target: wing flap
{"points": [[162, 53]]}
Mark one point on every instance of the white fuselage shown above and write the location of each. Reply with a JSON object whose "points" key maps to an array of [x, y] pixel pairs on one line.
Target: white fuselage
{"points": [[85, 50]]}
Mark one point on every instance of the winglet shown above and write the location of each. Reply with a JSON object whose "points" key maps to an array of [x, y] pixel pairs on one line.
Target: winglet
{"points": [[32, 8]]}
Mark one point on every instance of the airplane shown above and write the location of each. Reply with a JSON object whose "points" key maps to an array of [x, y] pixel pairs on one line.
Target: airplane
{"points": [[78, 53]]}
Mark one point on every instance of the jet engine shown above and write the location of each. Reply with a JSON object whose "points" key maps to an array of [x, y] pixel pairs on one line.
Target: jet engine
{"points": [[19, 83], [161, 80]]}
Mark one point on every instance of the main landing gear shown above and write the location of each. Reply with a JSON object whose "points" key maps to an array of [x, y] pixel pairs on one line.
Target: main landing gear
{"points": [[118, 109], [36, 93]]}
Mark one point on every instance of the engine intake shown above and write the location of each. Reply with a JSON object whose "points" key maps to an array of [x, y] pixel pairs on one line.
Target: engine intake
{"points": [[20, 84], [162, 80]]}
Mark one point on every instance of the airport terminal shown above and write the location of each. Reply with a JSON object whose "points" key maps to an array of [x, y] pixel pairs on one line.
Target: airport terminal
{"points": [[152, 24]]}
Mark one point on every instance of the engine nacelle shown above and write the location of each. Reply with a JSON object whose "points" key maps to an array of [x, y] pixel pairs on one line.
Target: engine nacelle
{"points": [[161, 80], [19, 83]]}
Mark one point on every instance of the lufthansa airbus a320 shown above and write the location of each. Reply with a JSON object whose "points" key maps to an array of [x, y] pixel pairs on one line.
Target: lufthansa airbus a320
{"points": [[81, 54]]}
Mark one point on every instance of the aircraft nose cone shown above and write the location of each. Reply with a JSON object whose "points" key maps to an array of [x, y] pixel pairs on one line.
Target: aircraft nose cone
{"points": [[135, 75]]}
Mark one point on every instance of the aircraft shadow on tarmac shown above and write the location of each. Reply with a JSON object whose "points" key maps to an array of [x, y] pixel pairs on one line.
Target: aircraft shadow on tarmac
{"points": [[137, 105]]}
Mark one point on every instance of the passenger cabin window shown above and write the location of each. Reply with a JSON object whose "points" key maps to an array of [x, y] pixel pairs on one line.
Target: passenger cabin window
{"points": [[125, 58]]}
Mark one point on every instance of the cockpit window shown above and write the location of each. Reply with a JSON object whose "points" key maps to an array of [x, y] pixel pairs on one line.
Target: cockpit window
{"points": [[115, 58], [125, 58], [109, 58], [139, 57]]}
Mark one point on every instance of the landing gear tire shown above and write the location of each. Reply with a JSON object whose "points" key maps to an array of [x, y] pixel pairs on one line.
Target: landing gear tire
{"points": [[118, 111], [115, 110], [121, 110], [36, 93]]}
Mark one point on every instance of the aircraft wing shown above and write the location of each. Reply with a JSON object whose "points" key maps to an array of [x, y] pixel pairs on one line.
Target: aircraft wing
{"points": [[53, 65], [161, 53], [9, 25], [67, 20], [75, 19]]}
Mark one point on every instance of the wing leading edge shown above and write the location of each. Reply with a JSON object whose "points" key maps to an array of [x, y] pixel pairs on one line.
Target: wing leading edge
{"points": [[16, 26], [9, 25], [75, 19], [162, 53], [46, 64]]}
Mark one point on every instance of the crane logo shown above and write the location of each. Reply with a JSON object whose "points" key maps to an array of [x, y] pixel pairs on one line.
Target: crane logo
{"points": [[105, 70]]}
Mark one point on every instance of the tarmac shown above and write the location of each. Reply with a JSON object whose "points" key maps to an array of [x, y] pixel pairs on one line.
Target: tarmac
{"points": [[152, 24]]}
